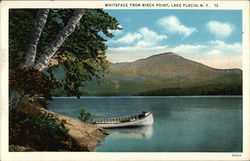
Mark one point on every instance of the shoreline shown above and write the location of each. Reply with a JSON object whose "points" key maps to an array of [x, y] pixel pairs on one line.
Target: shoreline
{"points": [[82, 136], [190, 96]]}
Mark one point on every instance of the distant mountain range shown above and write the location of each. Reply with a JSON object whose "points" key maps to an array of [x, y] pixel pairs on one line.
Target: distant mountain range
{"points": [[166, 74], [163, 74]]}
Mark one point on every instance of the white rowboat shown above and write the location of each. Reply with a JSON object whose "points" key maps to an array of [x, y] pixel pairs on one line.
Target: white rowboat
{"points": [[144, 119]]}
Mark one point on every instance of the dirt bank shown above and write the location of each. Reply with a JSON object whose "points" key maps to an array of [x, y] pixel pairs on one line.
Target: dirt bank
{"points": [[82, 136]]}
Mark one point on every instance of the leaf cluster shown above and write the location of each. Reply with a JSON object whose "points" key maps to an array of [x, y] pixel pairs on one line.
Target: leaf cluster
{"points": [[31, 82]]}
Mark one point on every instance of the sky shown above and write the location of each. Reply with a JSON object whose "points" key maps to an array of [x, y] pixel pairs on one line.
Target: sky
{"points": [[211, 37]]}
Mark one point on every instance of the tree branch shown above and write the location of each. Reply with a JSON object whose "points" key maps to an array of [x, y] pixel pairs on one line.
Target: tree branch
{"points": [[60, 38]]}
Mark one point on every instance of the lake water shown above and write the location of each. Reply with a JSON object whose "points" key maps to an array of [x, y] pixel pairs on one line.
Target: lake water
{"points": [[181, 124]]}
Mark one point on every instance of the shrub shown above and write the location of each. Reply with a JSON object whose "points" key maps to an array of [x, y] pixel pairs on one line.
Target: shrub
{"points": [[83, 115], [42, 132], [49, 125]]}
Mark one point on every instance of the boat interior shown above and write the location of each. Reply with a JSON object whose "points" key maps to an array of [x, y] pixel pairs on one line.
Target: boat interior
{"points": [[119, 119]]}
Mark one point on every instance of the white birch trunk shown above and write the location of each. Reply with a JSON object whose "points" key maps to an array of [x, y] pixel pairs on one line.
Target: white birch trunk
{"points": [[60, 38], [30, 53], [39, 23]]}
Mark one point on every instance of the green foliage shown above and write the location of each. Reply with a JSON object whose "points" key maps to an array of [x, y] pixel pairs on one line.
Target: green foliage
{"points": [[82, 55], [30, 81], [84, 52], [42, 132], [49, 125], [83, 115], [46, 124]]}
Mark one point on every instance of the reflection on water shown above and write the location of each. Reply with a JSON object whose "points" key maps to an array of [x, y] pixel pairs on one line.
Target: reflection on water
{"points": [[144, 132]]}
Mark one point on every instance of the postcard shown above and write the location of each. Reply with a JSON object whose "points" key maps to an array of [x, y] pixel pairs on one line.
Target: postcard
{"points": [[124, 80]]}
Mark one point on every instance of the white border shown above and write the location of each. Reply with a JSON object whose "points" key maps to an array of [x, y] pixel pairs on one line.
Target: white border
{"points": [[72, 156]]}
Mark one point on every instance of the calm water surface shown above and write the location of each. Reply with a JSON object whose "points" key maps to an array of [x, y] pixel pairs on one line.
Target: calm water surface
{"points": [[181, 124]]}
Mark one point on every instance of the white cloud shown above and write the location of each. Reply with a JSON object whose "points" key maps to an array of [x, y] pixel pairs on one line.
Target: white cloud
{"points": [[217, 54], [144, 37], [140, 44], [221, 45], [186, 48], [214, 53], [116, 32], [149, 38], [126, 39], [172, 24], [220, 29]]}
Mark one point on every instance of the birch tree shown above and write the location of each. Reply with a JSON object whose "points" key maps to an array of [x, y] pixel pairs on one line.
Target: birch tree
{"points": [[60, 38], [71, 37], [37, 29]]}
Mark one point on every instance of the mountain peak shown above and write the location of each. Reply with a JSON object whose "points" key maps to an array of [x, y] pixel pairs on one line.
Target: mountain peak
{"points": [[163, 58], [165, 54], [168, 53]]}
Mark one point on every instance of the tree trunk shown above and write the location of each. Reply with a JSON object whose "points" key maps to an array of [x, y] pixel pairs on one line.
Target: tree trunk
{"points": [[30, 54], [39, 23], [15, 97], [60, 38]]}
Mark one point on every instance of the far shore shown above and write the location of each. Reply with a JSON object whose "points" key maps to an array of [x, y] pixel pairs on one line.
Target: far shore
{"points": [[147, 96]]}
